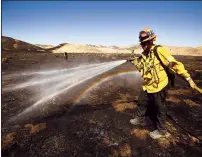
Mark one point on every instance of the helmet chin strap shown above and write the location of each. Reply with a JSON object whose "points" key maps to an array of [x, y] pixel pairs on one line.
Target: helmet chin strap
{"points": [[148, 47]]}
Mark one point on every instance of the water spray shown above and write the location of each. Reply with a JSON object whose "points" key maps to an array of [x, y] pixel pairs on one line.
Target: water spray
{"points": [[57, 75], [57, 83]]}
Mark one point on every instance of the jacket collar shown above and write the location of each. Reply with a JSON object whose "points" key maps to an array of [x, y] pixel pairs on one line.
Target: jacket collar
{"points": [[150, 51]]}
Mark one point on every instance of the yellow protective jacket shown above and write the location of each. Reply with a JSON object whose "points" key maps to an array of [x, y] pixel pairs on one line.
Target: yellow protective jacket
{"points": [[153, 73]]}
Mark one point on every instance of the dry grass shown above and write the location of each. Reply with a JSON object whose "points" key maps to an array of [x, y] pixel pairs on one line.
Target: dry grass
{"points": [[166, 142], [115, 153], [125, 97], [140, 133], [174, 140], [91, 121], [8, 139], [4, 60], [173, 99], [29, 126], [37, 128], [121, 107], [125, 150], [106, 140], [171, 126], [180, 92], [34, 129], [191, 103], [193, 140], [121, 104]]}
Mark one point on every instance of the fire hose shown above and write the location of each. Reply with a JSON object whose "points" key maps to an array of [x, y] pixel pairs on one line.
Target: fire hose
{"points": [[198, 89], [171, 118]]}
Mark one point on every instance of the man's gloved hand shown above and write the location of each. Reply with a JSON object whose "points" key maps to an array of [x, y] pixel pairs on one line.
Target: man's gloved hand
{"points": [[191, 83], [129, 59], [133, 60], [194, 86]]}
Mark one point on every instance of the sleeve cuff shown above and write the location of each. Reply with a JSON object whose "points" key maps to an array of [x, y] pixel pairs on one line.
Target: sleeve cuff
{"points": [[188, 78]]}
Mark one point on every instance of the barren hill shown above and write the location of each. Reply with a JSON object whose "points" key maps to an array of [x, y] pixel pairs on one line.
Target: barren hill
{"points": [[17, 45], [10, 44], [190, 51], [44, 46], [86, 48], [74, 48]]}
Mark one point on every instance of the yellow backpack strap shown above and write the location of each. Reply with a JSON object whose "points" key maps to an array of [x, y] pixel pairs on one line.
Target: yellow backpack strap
{"points": [[170, 74], [157, 56]]}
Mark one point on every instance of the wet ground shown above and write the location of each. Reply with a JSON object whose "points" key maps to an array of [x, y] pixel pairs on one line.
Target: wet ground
{"points": [[93, 118]]}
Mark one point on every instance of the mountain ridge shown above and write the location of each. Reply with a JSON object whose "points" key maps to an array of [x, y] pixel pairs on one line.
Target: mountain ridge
{"points": [[11, 44]]}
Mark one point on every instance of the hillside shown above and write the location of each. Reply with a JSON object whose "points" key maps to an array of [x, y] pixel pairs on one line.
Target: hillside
{"points": [[86, 48], [78, 48], [17, 45], [44, 46], [10, 44], [190, 51]]}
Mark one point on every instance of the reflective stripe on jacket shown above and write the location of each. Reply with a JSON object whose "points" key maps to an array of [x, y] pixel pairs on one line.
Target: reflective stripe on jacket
{"points": [[152, 72]]}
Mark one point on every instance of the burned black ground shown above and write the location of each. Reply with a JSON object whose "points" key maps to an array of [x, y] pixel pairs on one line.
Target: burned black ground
{"points": [[99, 125]]}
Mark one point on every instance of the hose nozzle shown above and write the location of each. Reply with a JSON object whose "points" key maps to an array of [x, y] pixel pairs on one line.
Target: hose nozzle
{"points": [[130, 59]]}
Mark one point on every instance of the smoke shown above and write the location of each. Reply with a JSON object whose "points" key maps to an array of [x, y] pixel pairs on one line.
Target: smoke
{"points": [[53, 83]]}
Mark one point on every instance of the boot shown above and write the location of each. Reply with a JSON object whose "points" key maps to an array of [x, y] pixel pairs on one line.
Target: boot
{"points": [[156, 134], [136, 121]]}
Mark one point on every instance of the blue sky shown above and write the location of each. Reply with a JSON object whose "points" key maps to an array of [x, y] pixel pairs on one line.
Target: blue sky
{"points": [[105, 23]]}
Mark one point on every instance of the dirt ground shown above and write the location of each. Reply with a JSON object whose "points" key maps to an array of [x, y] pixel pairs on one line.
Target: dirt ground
{"points": [[96, 123]]}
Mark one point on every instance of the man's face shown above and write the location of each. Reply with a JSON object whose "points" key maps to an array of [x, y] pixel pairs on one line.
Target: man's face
{"points": [[143, 35], [145, 45]]}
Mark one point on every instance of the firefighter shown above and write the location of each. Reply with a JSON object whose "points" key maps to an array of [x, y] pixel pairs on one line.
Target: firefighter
{"points": [[152, 67], [66, 56], [133, 54]]}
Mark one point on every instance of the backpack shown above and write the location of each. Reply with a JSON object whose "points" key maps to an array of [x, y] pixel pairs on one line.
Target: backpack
{"points": [[170, 73]]}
